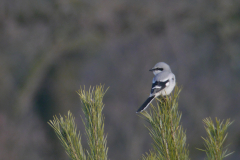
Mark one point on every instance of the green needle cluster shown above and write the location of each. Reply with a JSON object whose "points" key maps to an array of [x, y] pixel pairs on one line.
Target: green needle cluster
{"points": [[166, 131], [169, 137], [94, 122], [216, 137], [65, 130], [65, 127]]}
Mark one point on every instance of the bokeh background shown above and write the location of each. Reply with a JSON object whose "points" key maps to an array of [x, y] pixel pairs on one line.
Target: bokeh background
{"points": [[49, 48]]}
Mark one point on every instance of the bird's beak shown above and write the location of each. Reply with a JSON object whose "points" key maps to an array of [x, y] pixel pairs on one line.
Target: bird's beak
{"points": [[151, 70]]}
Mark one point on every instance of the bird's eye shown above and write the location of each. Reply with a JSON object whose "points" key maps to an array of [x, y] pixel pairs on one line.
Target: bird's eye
{"points": [[173, 79]]}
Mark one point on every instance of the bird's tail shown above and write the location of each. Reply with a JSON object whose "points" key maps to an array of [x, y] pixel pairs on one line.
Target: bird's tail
{"points": [[145, 104]]}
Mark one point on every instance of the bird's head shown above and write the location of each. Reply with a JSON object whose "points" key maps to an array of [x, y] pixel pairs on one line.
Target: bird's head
{"points": [[159, 67]]}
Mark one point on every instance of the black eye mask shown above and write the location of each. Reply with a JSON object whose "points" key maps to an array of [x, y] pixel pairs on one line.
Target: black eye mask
{"points": [[156, 69]]}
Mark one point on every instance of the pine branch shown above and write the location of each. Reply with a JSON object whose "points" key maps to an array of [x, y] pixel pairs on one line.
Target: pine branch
{"points": [[216, 137], [65, 130], [150, 156], [94, 121], [166, 131]]}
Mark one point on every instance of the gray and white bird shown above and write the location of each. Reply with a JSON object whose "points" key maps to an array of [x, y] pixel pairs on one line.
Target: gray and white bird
{"points": [[159, 67], [163, 83]]}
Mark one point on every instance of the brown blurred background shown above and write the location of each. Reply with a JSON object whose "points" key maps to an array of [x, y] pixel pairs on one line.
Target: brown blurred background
{"points": [[49, 48]]}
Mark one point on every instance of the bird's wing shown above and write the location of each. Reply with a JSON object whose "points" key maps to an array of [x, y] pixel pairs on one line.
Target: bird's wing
{"points": [[157, 86]]}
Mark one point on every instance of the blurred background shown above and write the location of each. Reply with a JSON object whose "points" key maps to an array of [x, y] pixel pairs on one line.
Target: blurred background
{"points": [[49, 48]]}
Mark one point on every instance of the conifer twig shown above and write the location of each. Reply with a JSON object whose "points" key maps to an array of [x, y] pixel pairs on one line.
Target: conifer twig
{"points": [[92, 107], [166, 131], [65, 128], [216, 137]]}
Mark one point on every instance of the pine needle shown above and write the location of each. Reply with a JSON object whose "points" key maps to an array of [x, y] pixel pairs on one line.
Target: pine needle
{"points": [[166, 131], [216, 137]]}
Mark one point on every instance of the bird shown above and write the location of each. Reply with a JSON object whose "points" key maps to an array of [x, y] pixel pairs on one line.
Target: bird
{"points": [[159, 67], [163, 84]]}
